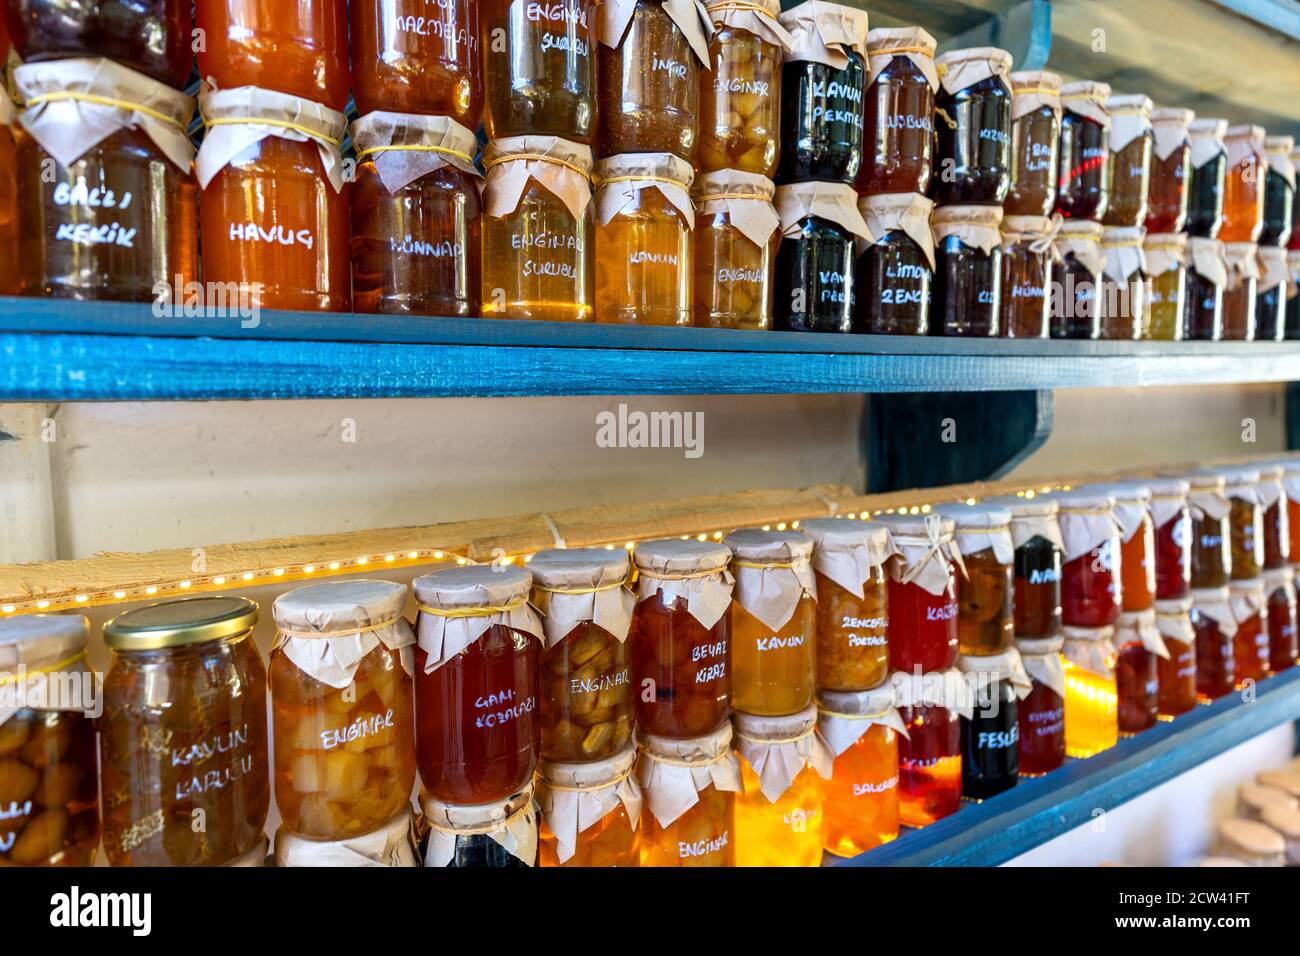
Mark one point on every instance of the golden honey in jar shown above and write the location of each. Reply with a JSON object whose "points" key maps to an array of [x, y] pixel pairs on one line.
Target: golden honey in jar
{"points": [[342, 708], [1167, 285], [852, 602], [391, 845], [1035, 139], [9, 260], [1131, 142], [1091, 692], [183, 754], [737, 232], [1244, 185], [986, 586], [538, 230], [586, 678], [104, 191], [644, 219], [894, 273], [499, 834], [860, 800], [689, 787], [898, 112], [1124, 284], [1239, 292], [49, 785], [783, 765], [1027, 277], [1171, 171], [773, 622], [590, 812], [740, 95]]}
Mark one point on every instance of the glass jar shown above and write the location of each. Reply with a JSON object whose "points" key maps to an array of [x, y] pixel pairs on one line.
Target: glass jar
{"points": [[496, 835], [929, 759], [1124, 285], [894, 274], [820, 225], [1171, 518], [783, 764], [1211, 546], [49, 794], [1276, 523], [1035, 138], [737, 232], [1171, 171], [740, 101], [681, 638], [1216, 654], [1132, 140], [644, 218], [860, 800], [1166, 255], [119, 218], [1027, 277], [822, 92], [1137, 673], [990, 736], [1209, 176], [1244, 185], [1083, 186], [898, 112], [590, 811], [1271, 294], [1245, 521], [1036, 536], [477, 733], [986, 588], [1293, 296], [1207, 275], [1239, 293], [278, 195], [254, 43], [393, 845], [1251, 643], [9, 246], [1283, 643], [688, 819], [1138, 541], [184, 734], [1279, 191], [342, 708], [1091, 693], [586, 676], [416, 217], [923, 606], [852, 603], [973, 127], [419, 57], [651, 55], [149, 36], [773, 622], [968, 271], [1176, 673], [1091, 578], [538, 244], [1041, 712], [1077, 272]]}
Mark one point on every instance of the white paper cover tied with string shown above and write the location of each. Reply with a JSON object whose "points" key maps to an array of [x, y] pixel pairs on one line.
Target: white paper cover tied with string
{"points": [[560, 167], [1243, 263], [673, 773], [693, 571], [1092, 649], [1248, 599], [759, 17], [574, 797], [744, 198], [1272, 267], [959, 69], [1041, 658], [849, 552], [1280, 579], [844, 716], [1174, 621], [1132, 501], [1165, 252], [1291, 483], [826, 33], [1215, 604], [689, 16], [778, 749], [459, 605], [1031, 518], [405, 147], [620, 180], [907, 213], [773, 572], [1087, 99], [1209, 258], [1270, 487], [579, 585], [392, 845], [1206, 136], [37, 653], [1168, 501], [927, 551], [1140, 627], [977, 227], [1125, 256], [1130, 118], [1245, 144], [1081, 238], [1169, 127], [1206, 497], [834, 202], [981, 527], [886, 43], [1278, 151], [1240, 483], [509, 823], [947, 689], [1087, 522], [1033, 90], [983, 674]]}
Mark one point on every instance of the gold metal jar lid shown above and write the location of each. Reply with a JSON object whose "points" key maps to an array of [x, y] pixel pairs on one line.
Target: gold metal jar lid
{"points": [[197, 620]]}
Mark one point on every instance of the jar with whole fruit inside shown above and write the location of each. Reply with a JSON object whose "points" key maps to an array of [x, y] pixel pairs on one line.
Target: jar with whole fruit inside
{"points": [[690, 788], [1091, 577], [1039, 551], [590, 811], [860, 800], [735, 241], [986, 588], [1140, 648]]}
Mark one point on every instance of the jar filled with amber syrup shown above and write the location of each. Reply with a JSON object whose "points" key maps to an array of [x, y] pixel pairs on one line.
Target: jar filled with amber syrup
{"points": [[898, 112], [1035, 139], [1245, 520], [1166, 256], [968, 271], [820, 226], [690, 788], [1027, 276], [929, 751], [9, 258], [1283, 637], [1041, 712], [590, 811], [1171, 171], [986, 586], [990, 736], [1132, 511], [1279, 191], [1092, 592], [1083, 180], [1215, 624], [894, 274], [1176, 673], [1132, 139], [1271, 294], [1124, 284], [860, 800], [1039, 550], [1239, 292], [1244, 184], [49, 782], [973, 109], [1207, 277], [737, 232], [184, 734], [923, 608], [497, 835], [1140, 648], [1249, 600], [1091, 692], [1077, 272], [1211, 538], [1209, 156]]}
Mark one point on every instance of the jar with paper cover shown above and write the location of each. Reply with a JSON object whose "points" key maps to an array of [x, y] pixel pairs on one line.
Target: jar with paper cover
{"points": [[1041, 712], [1176, 674], [1251, 648], [416, 216], [681, 637], [9, 258], [860, 800], [1209, 157], [1211, 537], [923, 606], [1124, 285], [342, 708], [590, 811], [102, 184], [898, 112], [184, 734], [1215, 624], [1171, 171], [477, 733], [1083, 185], [1207, 277], [1292, 320], [737, 232], [990, 736], [1027, 277], [973, 109], [1077, 270], [986, 586], [1239, 292], [1140, 648], [931, 707], [1091, 578], [1132, 139], [894, 273], [1166, 256], [1271, 293], [1275, 516], [690, 788], [394, 845], [49, 814], [1245, 520], [1132, 504], [274, 199], [784, 763], [586, 677], [499, 834], [815, 280], [1291, 501], [1172, 524], [1244, 184], [1283, 641], [849, 559], [1091, 693], [968, 271], [644, 219], [1279, 191], [1036, 536], [538, 230], [1035, 139], [1285, 821]]}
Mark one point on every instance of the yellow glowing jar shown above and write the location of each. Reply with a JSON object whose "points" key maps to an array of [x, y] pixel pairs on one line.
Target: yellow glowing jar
{"points": [[684, 821], [610, 801], [860, 800], [1091, 695]]}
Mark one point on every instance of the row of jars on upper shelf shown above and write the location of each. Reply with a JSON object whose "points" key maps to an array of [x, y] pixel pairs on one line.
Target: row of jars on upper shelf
{"points": [[692, 109], [753, 700]]}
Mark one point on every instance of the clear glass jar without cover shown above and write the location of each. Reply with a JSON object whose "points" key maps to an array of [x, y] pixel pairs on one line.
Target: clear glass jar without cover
{"points": [[1027, 276], [1035, 139], [1239, 293], [1244, 185], [590, 812], [1084, 182], [990, 736], [1076, 277], [498, 834], [737, 234], [1207, 277], [1039, 551], [1177, 672], [1166, 255], [1271, 294], [968, 271], [986, 586], [1216, 654], [860, 801], [1042, 710], [894, 274], [898, 134], [1171, 517], [1171, 171], [815, 281], [1279, 191], [1091, 582], [973, 127], [1091, 694], [1140, 648], [1132, 139], [1124, 284], [1209, 174], [923, 606], [690, 787]]}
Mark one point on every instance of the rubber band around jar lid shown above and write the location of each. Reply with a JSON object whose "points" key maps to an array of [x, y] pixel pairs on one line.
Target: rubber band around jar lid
{"points": [[596, 590], [724, 5], [640, 179], [62, 95], [314, 635], [900, 50], [774, 565], [480, 830], [538, 157], [1036, 91], [776, 740], [47, 669], [282, 124], [1087, 511], [675, 762], [415, 149], [656, 576], [718, 197], [612, 782], [471, 611], [839, 715]]}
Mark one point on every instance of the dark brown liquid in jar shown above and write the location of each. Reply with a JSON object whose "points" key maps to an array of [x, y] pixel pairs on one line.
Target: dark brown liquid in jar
{"points": [[898, 137], [1034, 143]]}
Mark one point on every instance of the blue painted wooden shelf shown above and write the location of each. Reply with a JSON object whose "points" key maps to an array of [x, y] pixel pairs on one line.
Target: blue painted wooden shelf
{"points": [[1038, 809]]}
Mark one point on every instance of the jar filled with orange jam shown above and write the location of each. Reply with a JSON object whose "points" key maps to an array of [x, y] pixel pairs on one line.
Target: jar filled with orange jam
{"points": [[894, 273], [1171, 171], [690, 788], [49, 811], [1239, 292], [1251, 644], [929, 753], [586, 678], [342, 708], [1166, 255], [644, 219], [302, 52], [1137, 541], [783, 766], [653, 54], [898, 112], [416, 216], [736, 235], [274, 201], [8, 196], [1177, 672], [1027, 276], [1207, 276], [773, 622], [1131, 142], [1091, 691], [860, 800], [1243, 189], [1035, 139], [500, 834], [852, 602], [590, 812], [538, 230], [740, 95], [184, 739], [986, 588], [103, 190], [1124, 284]]}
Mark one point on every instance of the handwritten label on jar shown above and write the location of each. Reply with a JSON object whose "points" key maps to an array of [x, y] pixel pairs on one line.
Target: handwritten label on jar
{"points": [[904, 121], [943, 612], [870, 787], [1044, 576], [431, 250], [82, 196], [1047, 723], [995, 135], [728, 276], [505, 714], [853, 625], [742, 86], [642, 258], [703, 847], [594, 685], [1028, 291], [998, 739], [456, 36], [1042, 158], [905, 272], [833, 287], [366, 725], [279, 235], [837, 103], [778, 643], [84, 234], [548, 268], [197, 754], [705, 652]]}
